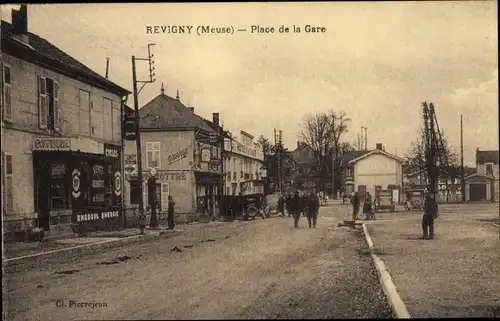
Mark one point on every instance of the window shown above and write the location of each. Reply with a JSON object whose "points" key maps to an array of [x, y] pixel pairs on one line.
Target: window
{"points": [[107, 110], [48, 104], [153, 154], [8, 196], [135, 191], [7, 95], [489, 169], [349, 173], [349, 189], [84, 98], [165, 191]]}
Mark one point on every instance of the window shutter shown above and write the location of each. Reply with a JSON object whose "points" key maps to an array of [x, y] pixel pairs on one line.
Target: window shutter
{"points": [[9, 196], [42, 103], [56, 107], [165, 191], [7, 95]]}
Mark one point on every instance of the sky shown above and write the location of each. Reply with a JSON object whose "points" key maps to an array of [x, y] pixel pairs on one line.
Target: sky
{"points": [[376, 61]]}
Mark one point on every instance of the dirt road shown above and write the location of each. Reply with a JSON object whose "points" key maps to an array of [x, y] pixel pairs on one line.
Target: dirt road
{"points": [[260, 269]]}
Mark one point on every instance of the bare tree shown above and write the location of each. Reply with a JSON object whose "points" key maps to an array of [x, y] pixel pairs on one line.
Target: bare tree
{"points": [[316, 134], [323, 133], [416, 156]]}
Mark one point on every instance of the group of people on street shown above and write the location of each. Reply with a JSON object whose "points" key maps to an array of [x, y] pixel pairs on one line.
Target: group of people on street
{"points": [[297, 205], [367, 206], [430, 211]]}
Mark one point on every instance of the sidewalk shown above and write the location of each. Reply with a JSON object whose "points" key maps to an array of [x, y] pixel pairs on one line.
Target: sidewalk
{"points": [[20, 249], [454, 275]]}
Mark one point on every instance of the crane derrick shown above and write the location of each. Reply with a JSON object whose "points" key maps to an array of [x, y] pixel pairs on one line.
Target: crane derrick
{"points": [[435, 157]]}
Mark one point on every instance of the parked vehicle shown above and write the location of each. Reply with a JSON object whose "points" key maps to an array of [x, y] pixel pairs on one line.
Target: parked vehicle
{"points": [[384, 200], [271, 204], [248, 206]]}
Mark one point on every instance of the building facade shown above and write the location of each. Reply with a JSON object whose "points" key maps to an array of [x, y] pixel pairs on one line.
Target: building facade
{"points": [[372, 169], [185, 153], [61, 136], [244, 166], [482, 186]]}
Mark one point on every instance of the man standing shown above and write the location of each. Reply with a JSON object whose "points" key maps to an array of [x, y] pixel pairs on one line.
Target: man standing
{"points": [[312, 210], [355, 206], [296, 207], [430, 214], [281, 205], [367, 207], [170, 213]]}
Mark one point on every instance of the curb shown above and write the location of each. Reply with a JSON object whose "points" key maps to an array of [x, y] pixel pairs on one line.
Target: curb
{"points": [[397, 305], [86, 248]]}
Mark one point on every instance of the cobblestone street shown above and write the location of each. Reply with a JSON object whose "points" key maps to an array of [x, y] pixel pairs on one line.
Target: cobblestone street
{"points": [[259, 269]]}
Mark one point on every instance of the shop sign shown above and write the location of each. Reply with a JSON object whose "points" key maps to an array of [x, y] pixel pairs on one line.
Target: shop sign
{"points": [[177, 156], [97, 216], [52, 144], [110, 151], [168, 176]]}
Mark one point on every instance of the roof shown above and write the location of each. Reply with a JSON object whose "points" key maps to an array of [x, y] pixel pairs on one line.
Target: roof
{"points": [[349, 156], [220, 130], [168, 113], [377, 151], [467, 171], [486, 156], [45, 54], [480, 175]]}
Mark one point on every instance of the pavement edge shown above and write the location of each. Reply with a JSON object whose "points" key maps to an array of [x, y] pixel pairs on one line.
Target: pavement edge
{"points": [[398, 307], [91, 247]]}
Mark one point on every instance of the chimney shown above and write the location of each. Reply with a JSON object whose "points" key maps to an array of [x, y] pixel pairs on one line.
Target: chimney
{"points": [[20, 23], [191, 109], [379, 146], [215, 119]]}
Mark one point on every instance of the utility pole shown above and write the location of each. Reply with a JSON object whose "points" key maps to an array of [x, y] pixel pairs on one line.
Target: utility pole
{"points": [[280, 143], [363, 128], [462, 176], [107, 67], [154, 221]]}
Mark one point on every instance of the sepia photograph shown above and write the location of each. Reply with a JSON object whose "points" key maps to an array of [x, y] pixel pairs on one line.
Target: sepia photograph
{"points": [[250, 160]]}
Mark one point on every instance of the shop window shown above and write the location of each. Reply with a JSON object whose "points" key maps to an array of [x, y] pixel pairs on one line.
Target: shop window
{"points": [[7, 95], [58, 191], [165, 192], [98, 186], [48, 104], [7, 183], [153, 154], [135, 191]]}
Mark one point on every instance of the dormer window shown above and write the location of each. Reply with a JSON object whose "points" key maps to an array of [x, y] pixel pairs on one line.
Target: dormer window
{"points": [[489, 168]]}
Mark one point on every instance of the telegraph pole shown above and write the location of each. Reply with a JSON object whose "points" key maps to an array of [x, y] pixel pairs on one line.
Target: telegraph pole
{"points": [[107, 67], [280, 143], [462, 176], [365, 129], [154, 221]]}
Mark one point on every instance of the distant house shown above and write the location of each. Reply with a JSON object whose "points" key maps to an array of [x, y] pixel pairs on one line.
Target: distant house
{"points": [[372, 169], [483, 185], [449, 185]]}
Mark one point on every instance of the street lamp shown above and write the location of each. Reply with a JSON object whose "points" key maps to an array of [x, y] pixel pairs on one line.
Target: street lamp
{"points": [[153, 223]]}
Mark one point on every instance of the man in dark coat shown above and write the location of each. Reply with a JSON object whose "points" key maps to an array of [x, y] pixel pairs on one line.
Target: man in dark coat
{"points": [[430, 214], [355, 206], [312, 209], [296, 208], [170, 213]]}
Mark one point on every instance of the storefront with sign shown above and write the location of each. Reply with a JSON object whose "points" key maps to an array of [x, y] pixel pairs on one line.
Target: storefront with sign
{"points": [[208, 178], [77, 181]]}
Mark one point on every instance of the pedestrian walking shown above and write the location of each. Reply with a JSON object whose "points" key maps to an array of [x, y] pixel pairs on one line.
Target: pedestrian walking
{"points": [[170, 213], [408, 201], [281, 205], [367, 207], [312, 210], [430, 214], [355, 206], [296, 208], [288, 203]]}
